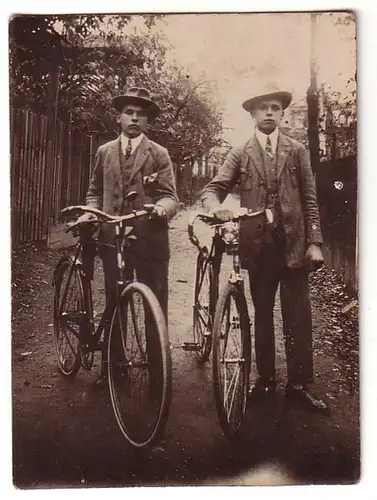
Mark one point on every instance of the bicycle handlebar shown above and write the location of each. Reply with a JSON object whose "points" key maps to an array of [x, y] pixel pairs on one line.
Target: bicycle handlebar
{"points": [[213, 221], [103, 216]]}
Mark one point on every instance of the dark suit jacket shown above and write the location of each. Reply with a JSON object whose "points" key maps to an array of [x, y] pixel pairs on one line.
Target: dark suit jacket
{"points": [[297, 194], [106, 192]]}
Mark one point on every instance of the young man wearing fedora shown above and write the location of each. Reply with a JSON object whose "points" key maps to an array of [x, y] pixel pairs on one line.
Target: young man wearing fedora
{"points": [[273, 171], [127, 164]]}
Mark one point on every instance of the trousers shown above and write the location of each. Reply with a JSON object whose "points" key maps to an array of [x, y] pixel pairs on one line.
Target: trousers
{"points": [[269, 272]]}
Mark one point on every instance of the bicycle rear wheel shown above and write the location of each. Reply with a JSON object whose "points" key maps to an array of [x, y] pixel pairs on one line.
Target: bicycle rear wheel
{"points": [[140, 370], [203, 308], [231, 359], [68, 316]]}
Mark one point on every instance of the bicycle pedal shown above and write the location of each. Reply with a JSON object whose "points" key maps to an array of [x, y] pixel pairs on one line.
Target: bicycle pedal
{"points": [[191, 346]]}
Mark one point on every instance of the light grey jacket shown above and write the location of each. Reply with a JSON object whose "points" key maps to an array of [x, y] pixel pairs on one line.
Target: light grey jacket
{"points": [[296, 189]]}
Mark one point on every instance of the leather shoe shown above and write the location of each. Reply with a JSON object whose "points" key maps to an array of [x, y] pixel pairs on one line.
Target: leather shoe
{"points": [[263, 387], [302, 396]]}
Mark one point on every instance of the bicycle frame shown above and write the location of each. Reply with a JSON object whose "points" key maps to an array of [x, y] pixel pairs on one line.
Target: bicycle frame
{"points": [[83, 261], [213, 258]]}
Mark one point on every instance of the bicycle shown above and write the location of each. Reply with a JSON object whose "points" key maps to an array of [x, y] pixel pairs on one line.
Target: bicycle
{"points": [[131, 336], [206, 289], [230, 332]]}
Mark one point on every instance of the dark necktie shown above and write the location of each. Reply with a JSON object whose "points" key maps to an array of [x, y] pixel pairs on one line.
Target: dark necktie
{"points": [[268, 149], [128, 149]]}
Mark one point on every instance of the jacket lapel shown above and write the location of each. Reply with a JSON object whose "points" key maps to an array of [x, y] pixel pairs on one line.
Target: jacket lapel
{"points": [[141, 155], [115, 162], [254, 152], [283, 148]]}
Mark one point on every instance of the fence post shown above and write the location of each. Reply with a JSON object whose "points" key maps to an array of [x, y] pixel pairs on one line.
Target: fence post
{"points": [[312, 99], [52, 118], [357, 249]]}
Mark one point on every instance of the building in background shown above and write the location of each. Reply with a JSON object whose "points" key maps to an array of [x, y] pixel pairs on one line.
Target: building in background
{"points": [[295, 122]]}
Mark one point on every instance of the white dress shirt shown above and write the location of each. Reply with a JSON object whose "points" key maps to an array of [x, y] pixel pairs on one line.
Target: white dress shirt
{"points": [[135, 141], [262, 139]]}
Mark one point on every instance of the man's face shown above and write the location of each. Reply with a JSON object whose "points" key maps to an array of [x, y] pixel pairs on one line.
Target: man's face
{"points": [[133, 120], [267, 115]]}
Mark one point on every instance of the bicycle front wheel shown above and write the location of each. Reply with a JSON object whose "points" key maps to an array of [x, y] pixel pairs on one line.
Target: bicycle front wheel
{"points": [[139, 368], [69, 315], [203, 308], [231, 359]]}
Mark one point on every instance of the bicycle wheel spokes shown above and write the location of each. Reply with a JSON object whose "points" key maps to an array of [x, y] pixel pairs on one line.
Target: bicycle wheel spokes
{"points": [[202, 318], [139, 366], [231, 360], [68, 316]]}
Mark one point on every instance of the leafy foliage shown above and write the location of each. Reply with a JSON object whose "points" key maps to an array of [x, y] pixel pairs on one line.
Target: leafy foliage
{"points": [[338, 122], [93, 58]]}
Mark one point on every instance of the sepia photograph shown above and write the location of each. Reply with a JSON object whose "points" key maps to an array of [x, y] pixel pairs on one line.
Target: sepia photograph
{"points": [[184, 249]]}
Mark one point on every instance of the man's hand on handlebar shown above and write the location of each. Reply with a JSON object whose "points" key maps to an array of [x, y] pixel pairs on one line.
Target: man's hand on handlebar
{"points": [[159, 211], [221, 213]]}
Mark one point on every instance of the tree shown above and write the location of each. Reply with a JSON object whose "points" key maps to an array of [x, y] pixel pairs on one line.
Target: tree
{"points": [[93, 58], [338, 122], [332, 114]]}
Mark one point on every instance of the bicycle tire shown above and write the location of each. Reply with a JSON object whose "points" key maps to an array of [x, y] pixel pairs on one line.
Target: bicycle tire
{"points": [[142, 423], [231, 360], [203, 308], [68, 317]]}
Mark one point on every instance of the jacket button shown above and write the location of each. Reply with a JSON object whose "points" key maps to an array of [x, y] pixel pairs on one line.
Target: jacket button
{"points": [[314, 226], [261, 183]]}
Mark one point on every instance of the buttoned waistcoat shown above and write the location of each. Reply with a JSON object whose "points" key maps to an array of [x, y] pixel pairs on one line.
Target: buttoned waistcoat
{"points": [[296, 191]]}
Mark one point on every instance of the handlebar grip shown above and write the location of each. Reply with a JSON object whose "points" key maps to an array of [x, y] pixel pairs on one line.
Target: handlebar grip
{"points": [[91, 210], [194, 240], [81, 226]]}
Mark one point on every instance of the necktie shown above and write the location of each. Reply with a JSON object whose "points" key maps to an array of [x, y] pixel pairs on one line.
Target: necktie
{"points": [[128, 149], [268, 149]]}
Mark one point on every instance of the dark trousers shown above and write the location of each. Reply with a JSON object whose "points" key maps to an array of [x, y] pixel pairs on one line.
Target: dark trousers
{"points": [[270, 270], [155, 276], [152, 273]]}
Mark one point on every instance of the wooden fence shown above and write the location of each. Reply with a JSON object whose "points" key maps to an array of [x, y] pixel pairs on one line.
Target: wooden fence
{"points": [[337, 199], [50, 168]]}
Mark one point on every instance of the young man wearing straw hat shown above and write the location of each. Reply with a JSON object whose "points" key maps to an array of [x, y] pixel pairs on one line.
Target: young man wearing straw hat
{"points": [[273, 171], [132, 162]]}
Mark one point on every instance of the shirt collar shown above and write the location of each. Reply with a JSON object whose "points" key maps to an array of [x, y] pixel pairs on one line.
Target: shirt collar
{"points": [[135, 141], [262, 138]]}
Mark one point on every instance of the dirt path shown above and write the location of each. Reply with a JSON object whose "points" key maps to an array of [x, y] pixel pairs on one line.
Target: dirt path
{"points": [[65, 433]]}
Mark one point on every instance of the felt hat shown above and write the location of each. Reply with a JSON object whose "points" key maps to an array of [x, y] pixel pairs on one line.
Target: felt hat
{"points": [[139, 96]]}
